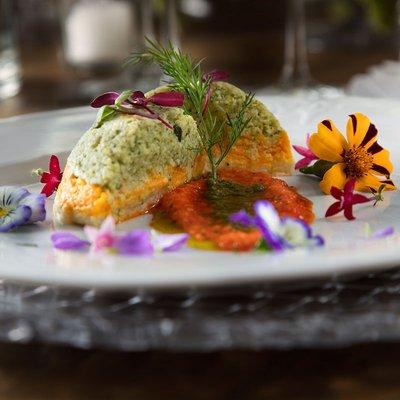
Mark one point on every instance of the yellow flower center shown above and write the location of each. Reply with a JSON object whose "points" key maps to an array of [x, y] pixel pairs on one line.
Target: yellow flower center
{"points": [[358, 162], [3, 212]]}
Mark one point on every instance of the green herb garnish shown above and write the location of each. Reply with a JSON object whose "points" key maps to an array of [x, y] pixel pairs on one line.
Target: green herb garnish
{"points": [[217, 137]]}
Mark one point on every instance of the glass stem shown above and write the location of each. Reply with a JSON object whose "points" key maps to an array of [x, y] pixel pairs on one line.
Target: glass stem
{"points": [[171, 23], [296, 71], [147, 13]]}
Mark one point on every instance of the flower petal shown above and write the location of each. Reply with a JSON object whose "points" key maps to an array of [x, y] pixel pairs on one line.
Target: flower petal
{"points": [[19, 216], [12, 195], [54, 165], [336, 193], [37, 203], [91, 233], [360, 131], [359, 199], [243, 218], [334, 209], [303, 151], [266, 215], [382, 160], [328, 143], [67, 241], [108, 226], [335, 176], [295, 232], [370, 181], [170, 242], [136, 242], [382, 233], [348, 212]]}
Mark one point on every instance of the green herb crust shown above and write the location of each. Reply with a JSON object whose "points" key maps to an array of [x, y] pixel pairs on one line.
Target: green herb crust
{"points": [[126, 149], [227, 99]]}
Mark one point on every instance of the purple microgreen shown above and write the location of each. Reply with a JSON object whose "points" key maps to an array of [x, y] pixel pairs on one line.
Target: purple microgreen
{"points": [[167, 99], [216, 75], [106, 99]]}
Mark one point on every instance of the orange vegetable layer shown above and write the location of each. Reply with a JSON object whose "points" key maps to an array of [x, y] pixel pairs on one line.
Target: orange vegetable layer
{"points": [[188, 207]]}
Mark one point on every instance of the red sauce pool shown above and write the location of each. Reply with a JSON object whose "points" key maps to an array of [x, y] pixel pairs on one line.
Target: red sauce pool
{"points": [[188, 207]]}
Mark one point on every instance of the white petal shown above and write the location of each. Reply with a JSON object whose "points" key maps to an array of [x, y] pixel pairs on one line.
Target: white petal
{"points": [[295, 232], [267, 213]]}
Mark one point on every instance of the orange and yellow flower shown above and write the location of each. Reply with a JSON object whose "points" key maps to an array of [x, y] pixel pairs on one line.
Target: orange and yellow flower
{"points": [[360, 157]]}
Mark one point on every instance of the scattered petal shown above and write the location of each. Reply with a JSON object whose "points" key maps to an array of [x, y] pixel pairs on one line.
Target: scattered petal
{"points": [[170, 242], [136, 242], [67, 241]]}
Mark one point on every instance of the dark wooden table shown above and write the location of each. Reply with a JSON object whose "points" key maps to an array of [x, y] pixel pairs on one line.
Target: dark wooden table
{"points": [[36, 371]]}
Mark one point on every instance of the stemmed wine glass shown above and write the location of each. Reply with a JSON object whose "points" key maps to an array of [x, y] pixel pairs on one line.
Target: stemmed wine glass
{"points": [[296, 77]]}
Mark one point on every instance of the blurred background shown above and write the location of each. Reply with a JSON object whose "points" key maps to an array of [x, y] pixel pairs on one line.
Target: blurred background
{"points": [[62, 53]]}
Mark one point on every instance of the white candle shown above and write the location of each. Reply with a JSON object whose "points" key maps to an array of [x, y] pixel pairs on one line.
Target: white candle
{"points": [[99, 31]]}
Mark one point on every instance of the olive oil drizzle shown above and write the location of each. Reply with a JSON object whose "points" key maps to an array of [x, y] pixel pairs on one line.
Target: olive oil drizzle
{"points": [[228, 197]]}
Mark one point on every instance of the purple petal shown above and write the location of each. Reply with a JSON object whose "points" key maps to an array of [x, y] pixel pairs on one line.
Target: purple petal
{"points": [[12, 195], [106, 99], [37, 204], [382, 233], [67, 241], [136, 242], [243, 218], [171, 242], [216, 75], [167, 99], [19, 216]]}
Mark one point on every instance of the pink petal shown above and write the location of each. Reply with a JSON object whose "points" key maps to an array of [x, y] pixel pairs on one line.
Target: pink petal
{"points": [[304, 162], [54, 165], [359, 199], [334, 209], [348, 212], [336, 192], [91, 233], [303, 151], [108, 226], [349, 186]]}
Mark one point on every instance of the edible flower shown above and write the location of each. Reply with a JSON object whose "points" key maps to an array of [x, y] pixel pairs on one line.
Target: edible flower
{"points": [[136, 242], [346, 200], [51, 179], [278, 233], [378, 234], [135, 103], [308, 155], [20, 207], [360, 157], [212, 76]]}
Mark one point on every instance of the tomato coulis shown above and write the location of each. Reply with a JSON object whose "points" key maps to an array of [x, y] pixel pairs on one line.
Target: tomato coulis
{"points": [[190, 207]]}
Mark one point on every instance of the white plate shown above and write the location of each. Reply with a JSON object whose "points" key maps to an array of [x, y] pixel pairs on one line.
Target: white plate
{"points": [[26, 254]]}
